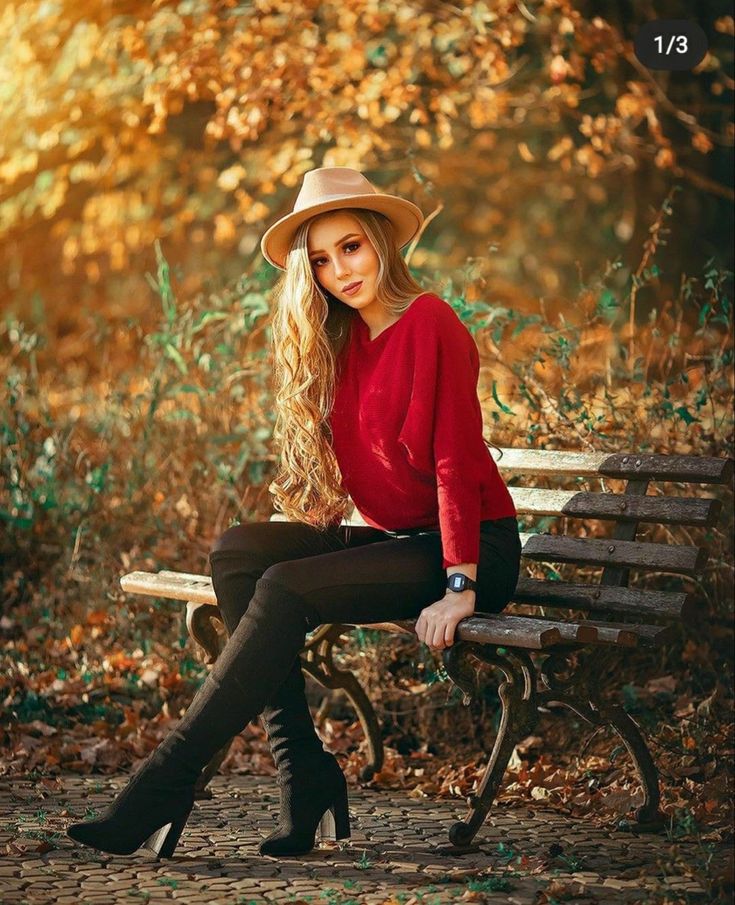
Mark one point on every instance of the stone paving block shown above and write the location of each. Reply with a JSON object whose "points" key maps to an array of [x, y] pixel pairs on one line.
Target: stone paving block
{"points": [[396, 837]]}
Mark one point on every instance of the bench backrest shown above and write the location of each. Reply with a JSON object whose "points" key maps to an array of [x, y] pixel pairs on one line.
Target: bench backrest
{"points": [[572, 511], [640, 501]]}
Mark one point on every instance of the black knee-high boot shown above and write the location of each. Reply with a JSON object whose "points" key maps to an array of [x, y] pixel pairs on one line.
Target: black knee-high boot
{"points": [[301, 761], [298, 752], [153, 808]]}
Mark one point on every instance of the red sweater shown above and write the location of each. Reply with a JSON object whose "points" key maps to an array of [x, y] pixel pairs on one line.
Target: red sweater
{"points": [[407, 429]]}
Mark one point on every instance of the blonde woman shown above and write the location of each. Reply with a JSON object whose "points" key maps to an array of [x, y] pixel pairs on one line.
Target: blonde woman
{"points": [[376, 398]]}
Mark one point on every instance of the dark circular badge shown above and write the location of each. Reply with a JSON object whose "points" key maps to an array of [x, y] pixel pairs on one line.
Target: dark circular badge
{"points": [[670, 44]]}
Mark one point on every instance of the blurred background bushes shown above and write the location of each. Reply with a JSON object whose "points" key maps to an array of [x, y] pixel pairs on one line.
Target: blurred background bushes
{"points": [[579, 221]]}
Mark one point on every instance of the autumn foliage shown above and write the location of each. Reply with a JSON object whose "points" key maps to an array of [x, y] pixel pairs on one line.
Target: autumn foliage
{"points": [[579, 221]]}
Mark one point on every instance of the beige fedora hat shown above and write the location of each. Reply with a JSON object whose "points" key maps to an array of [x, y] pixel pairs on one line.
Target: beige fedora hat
{"points": [[332, 188]]}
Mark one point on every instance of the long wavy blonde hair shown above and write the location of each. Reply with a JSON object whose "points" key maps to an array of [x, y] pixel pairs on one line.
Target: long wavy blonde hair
{"points": [[310, 328]]}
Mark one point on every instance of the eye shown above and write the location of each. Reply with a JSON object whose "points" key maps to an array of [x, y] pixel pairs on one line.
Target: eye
{"points": [[316, 261]]}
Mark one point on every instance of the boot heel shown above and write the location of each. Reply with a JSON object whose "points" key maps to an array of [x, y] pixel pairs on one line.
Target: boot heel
{"points": [[335, 822], [342, 818], [326, 825], [163, 841]]}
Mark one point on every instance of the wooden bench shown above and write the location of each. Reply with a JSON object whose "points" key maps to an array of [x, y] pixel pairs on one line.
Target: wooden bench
{"points": [[599, 614]]}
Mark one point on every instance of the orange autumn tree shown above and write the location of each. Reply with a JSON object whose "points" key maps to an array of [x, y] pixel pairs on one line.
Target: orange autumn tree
{"points": [[193, 121]]}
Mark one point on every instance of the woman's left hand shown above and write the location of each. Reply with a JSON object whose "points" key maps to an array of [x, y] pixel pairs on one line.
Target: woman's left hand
{"points": [[436, 624]]}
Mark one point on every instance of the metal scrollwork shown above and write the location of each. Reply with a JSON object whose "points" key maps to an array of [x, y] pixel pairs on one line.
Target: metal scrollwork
{"points": [[564, 683], [318, 661], [649, 817], [519, 716], [581, 693], [200, 625]]}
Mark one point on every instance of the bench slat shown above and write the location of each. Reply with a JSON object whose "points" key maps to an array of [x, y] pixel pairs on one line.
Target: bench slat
{"points": [[503, 628], [532, 591], [493, 628], [620, 507], [172, 585], [519, 631], [612, 552], [623, 634], [604, 632], [611, 632], [654, 604], [172, 573], [696, 469], [575, 631]]}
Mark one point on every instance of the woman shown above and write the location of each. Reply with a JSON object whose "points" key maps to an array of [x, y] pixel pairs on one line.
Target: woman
{"points": [[376, 400]]}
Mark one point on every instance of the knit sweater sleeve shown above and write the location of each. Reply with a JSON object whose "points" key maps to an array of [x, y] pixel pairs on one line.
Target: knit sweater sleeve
{"points": [[442, 431]]}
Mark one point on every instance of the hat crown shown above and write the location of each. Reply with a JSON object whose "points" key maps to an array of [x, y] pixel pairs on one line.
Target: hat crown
{"points": [[338, 188], [325, 183]]}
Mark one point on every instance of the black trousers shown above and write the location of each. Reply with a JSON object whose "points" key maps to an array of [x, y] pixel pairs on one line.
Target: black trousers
{"points": [[269, 572], [356, 574]]}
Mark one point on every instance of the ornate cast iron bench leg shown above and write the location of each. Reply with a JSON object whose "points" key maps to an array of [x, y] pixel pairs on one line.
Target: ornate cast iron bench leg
{"points": [[576, 692], [649, 818], [318, 662], [316, 659], [519, 716]]}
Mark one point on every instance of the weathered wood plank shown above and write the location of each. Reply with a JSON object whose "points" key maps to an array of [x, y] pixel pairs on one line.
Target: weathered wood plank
{"points": [[667, 510], [609, 633], [171, 585], [492, 628], [540, 501], [533, 591], [641, 634], [188, 576], [575, 631], [604, 632], [611, 552], [697, 469], [652, 604], [623, 634]]}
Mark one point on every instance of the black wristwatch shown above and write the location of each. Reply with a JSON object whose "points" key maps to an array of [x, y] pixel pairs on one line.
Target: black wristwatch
{"points": [[459, 582]]}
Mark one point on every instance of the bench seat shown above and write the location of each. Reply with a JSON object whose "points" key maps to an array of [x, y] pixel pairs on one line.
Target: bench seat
{"points": [[547, 658]]}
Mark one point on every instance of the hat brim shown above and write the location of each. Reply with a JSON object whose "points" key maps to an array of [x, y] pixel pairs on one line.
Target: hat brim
{"points": [[405, 216]]}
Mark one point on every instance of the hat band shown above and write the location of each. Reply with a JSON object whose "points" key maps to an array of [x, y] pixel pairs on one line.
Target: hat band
{"points": [[325, 198]]}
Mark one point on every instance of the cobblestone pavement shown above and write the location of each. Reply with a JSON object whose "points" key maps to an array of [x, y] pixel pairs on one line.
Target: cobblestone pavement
{"points": [[394, 855]]}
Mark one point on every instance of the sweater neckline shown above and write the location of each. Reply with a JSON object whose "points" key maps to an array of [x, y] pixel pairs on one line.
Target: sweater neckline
{"points": [[366, 330]]}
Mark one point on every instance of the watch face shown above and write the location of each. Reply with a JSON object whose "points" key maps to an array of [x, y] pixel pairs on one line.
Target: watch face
{"points": [[456, 582]]}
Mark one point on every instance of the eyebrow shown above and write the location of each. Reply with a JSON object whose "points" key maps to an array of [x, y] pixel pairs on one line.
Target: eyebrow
{"points": [[320, 251]]}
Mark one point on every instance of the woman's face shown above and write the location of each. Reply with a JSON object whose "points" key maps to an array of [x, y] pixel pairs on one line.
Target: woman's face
{"points": [[341, 254]]}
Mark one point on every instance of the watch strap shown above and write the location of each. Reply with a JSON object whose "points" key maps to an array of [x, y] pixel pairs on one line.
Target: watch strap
{"points": [[459, 582]]}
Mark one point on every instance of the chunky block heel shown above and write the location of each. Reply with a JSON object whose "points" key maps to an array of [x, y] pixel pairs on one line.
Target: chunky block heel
{"points": [[163, 841], [335, 822], [342, 821], [326, 825]]}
